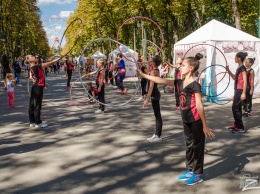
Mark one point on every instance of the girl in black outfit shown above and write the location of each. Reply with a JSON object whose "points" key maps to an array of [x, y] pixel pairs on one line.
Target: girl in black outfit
{"points": [[193, 117], [154, 94], [240, 92], [70, 65], [250, 73], [36, 96]]}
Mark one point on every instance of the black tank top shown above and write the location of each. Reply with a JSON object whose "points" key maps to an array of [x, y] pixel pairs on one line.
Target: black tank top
{"points": [[156, 95], [248, 76]]}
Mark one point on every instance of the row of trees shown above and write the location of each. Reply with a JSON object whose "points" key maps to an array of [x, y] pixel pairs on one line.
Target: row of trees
{"points": [[177, 19], [21, 30]]}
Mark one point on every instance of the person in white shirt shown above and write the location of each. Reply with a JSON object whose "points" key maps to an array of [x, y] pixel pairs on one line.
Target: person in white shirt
{"points": [[10, 84]]}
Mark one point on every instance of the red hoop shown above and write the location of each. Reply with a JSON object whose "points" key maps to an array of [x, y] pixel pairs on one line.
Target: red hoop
{"points": [[142, 17]]}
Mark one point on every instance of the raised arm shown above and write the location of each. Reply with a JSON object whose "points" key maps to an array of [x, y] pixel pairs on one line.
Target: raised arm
{"points": [[44, 65], [157, 80]]}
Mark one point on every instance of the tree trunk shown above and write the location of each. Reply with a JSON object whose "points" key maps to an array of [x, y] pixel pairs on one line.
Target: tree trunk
{"points": [[236, 14]]}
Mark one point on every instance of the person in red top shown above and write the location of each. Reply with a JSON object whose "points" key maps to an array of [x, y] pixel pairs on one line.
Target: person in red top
{"points": [[250, 73], [38, 76], [70, 65], [240, 92], [177, 80], [193, 117], [100, 72]]}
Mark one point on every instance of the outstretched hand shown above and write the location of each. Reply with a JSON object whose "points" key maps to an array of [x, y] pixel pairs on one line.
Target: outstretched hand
{"points": [[208, 132]]}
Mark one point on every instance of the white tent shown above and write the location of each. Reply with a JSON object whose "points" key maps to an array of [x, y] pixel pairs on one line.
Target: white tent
{"points": [[96, 56], [226, 41], [127, 57]]}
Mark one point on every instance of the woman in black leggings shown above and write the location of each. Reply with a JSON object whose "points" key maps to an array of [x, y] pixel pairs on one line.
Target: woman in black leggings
{"points": [[154, 94]]}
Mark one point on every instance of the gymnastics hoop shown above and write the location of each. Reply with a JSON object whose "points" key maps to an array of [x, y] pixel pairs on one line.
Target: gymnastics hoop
{"points": [[77, 35], [136, 67], [163, 55], [222, 78], [211, 97], [140, 17], [213, 47]]}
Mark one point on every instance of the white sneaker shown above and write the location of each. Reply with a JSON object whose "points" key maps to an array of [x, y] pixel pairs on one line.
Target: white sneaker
{"points": [[41, 125], [32, 124], [99, 111], [155, 139], [140, 99], [151, 137]]}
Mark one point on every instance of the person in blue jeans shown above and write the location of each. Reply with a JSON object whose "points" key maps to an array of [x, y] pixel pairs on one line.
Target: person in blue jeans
{"points": [[121, 74]]}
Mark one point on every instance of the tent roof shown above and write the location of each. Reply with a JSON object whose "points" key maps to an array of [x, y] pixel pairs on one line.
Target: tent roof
{"points": [[123, 49], [98, 54], [216, 31]]}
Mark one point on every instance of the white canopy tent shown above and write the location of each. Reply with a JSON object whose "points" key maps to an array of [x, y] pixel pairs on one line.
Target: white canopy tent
{"points": [[96, 56], [226, 41], [127, 57]]}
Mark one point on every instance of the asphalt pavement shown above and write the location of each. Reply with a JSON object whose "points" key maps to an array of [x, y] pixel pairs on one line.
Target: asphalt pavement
{"points": [[82, 152]]}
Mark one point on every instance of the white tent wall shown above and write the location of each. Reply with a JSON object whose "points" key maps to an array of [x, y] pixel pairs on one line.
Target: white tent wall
{"points": [[229, 41], [96, 56], [127, 57], [221, 88]]}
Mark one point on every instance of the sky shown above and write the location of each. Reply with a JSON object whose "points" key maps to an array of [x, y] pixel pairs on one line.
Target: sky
{"points": [[59, 9]]}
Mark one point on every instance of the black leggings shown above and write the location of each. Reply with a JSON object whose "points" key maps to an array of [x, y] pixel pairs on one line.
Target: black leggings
{"points": [[248, 101], [35, 104], [69, 72], [143, 86], [177, 91], [237, 109], [158, 117], [101, 97], [195, 144]]}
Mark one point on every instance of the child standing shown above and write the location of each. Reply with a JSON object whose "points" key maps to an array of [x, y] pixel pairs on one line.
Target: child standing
{"points": [[10, 84], [240, 92], [100, 72], [154, 94], [193, 117], [177, 81], [250, 73]]}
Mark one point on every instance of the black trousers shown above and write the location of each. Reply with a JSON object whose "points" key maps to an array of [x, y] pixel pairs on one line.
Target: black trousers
{"points": [[158, 117], [69, 72], [195, 144], [35, 104], [177, 91], [248, 101], [143, 86], [101, 97], [237, 109], [110, 75]]}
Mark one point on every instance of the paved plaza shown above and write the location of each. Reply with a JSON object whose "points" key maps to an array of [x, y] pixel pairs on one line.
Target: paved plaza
{"points": [[81, 152]]}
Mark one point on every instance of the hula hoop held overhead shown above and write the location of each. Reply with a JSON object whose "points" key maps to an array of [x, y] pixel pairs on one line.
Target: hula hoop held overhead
{"points": [[86, 91], [75, 23], [140, 17]]}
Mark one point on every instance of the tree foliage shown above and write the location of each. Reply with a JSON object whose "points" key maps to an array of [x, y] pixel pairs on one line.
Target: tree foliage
{"points": [[177, 19], [21, 28]]}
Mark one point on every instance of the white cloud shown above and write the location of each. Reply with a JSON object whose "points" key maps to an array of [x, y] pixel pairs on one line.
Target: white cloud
{"points": [[54, 16], [60, 2], [65, 14]]}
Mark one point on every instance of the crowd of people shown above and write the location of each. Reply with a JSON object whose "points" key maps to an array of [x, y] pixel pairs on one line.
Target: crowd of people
{"points": [[188, 94]]}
